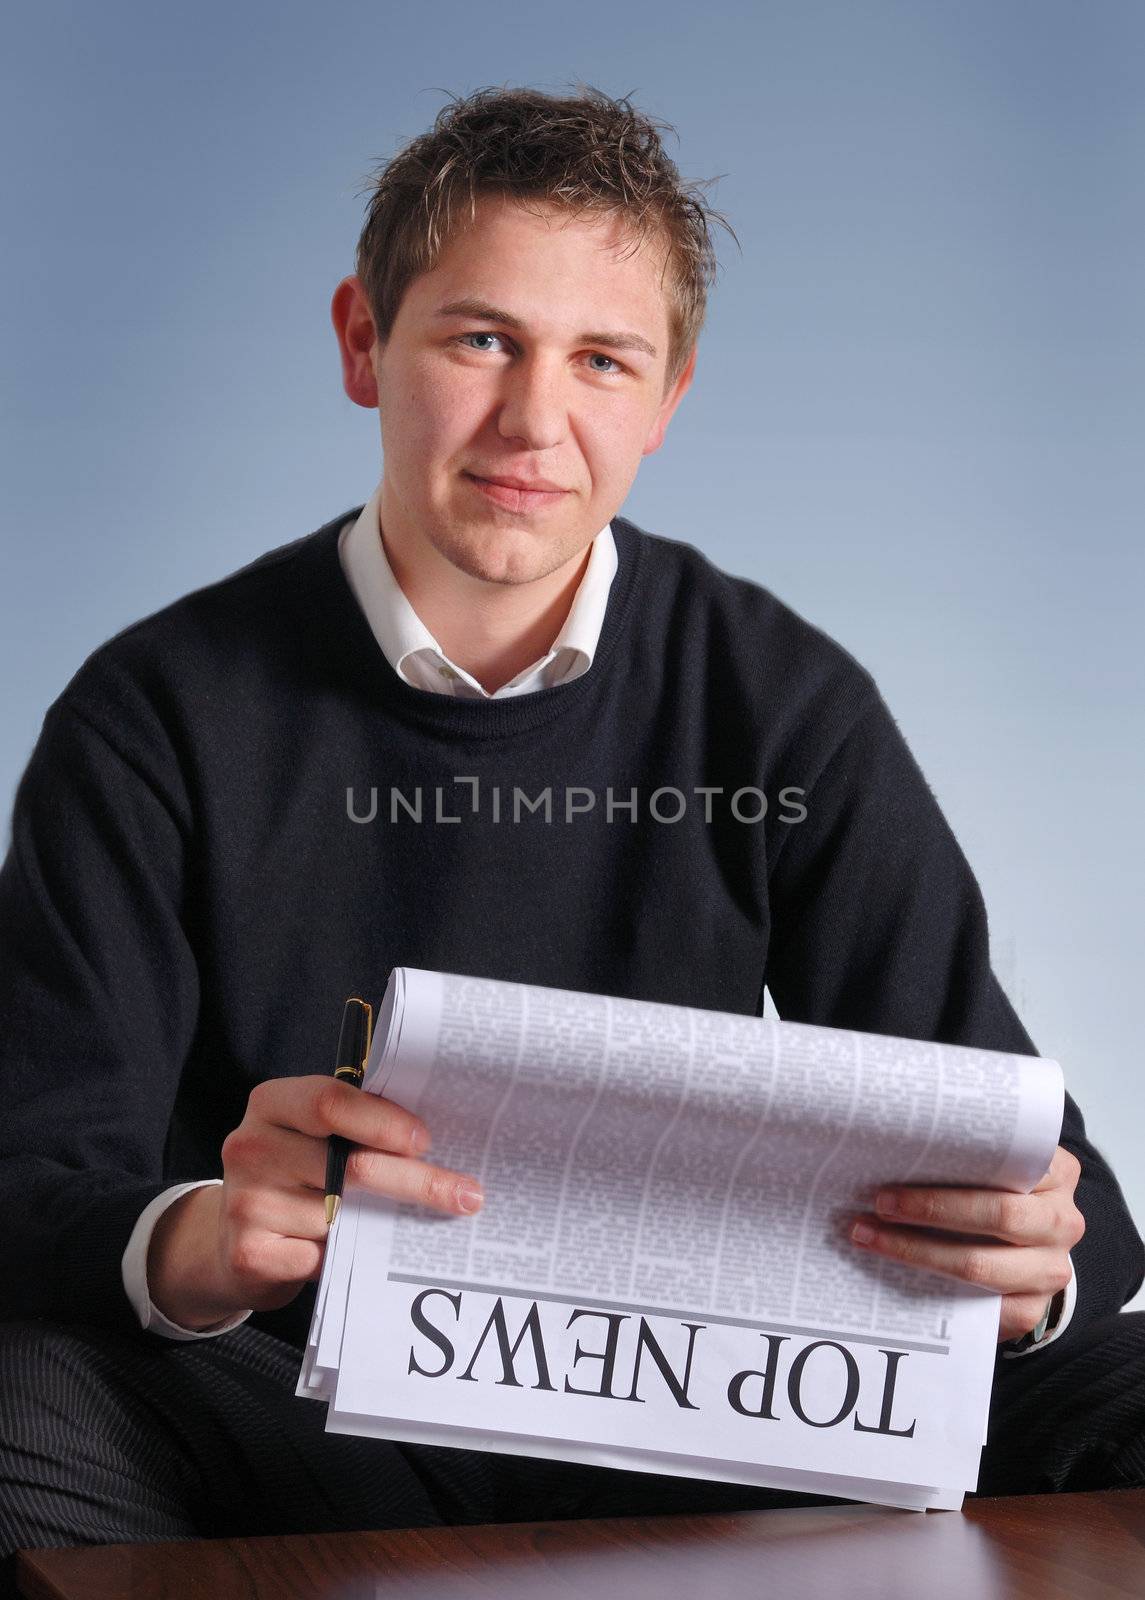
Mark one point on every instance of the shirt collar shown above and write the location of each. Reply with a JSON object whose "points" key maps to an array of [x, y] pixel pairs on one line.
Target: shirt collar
{"points": [[413, 651]]}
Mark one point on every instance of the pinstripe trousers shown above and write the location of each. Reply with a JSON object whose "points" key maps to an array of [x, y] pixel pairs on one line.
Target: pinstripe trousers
{"points": [[123, 1437]]}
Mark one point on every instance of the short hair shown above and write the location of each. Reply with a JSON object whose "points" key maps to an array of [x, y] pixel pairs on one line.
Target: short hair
{"points": [[584, 152]]}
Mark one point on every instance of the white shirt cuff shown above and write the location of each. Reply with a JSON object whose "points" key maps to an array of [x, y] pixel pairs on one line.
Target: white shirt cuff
{"points": [[134, 1271], [1063, 1320]]}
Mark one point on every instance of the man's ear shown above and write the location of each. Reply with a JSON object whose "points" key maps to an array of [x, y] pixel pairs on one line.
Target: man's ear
{"points": [[668, 405], [357, 338]]}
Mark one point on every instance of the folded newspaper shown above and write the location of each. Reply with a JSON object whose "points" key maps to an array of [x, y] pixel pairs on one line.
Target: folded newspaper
{"points": [[661, 1277]]}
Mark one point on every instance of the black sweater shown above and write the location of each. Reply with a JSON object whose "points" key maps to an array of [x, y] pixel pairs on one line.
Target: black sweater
{"points": [[187, 896]]}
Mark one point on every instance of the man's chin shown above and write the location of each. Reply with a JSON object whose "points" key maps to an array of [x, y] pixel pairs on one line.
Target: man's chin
{"points": [[503, 567], [505, 554]]}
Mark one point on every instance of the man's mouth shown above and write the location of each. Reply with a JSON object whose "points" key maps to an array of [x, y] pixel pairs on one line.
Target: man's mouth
{"points": [[512, 497]]}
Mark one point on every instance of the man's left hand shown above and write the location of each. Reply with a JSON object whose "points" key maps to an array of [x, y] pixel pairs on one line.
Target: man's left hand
{"points": [[956, 1232]]}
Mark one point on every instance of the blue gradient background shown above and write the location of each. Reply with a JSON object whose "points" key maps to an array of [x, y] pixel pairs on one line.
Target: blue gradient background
{"points": [[917, 414]]}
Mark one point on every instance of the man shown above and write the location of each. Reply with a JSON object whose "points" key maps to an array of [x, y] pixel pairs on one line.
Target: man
{"points": [[195, 880]]}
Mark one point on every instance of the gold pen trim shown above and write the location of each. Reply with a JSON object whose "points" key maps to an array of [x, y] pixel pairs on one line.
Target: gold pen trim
{"points": [[369, 1030]]}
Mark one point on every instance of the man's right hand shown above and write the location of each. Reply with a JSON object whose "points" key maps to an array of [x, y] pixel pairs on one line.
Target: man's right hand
{"points": [[252, 1242]]}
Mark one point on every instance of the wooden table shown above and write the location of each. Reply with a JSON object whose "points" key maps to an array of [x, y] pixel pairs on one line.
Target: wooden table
{"points": [[1044, 1547]]}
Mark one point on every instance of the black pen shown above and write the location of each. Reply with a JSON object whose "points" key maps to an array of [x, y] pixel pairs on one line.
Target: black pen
{"points": [[350, 1066]]}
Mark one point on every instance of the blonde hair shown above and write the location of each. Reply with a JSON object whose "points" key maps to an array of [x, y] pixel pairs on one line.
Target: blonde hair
{"points": [[586, 152]]}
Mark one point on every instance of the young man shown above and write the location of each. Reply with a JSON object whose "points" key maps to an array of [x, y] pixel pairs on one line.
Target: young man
{"points": [[196, 878]]}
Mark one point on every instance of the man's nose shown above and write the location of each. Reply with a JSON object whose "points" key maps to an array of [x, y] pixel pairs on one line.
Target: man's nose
{"points": [[534, 403]]}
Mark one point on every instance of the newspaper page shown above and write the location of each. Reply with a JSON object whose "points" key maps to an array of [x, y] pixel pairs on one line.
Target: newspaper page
{"points": [[660, 1277]]}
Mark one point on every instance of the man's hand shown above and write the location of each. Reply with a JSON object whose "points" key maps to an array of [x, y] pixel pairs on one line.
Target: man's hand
{"points": [[251, 1243], [956, 1232]]}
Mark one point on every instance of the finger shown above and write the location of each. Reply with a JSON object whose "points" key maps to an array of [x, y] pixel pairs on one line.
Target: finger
{"points": [[1000, 1268], [278, 1157], [1064, 1172], [455, 1193], [272, 1267], [259, 1154], [1025, 1219], [277, 1236], [320, 1106], [262, 1159], [289, 1213], [1020, 1313]]}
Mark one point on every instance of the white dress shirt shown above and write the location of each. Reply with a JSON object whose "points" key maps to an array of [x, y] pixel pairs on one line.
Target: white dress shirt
{"points": [[416, 656]]}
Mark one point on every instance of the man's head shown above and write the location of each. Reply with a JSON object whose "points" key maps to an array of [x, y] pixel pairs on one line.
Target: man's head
{"points": [[549, 226]]}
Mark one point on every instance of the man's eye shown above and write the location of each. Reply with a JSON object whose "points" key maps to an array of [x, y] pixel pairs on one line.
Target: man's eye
{"points": [[465, 336], [614, 368]]}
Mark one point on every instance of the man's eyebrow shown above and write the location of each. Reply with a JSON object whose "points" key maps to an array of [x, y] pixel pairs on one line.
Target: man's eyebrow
{"points": [[484, 312]]}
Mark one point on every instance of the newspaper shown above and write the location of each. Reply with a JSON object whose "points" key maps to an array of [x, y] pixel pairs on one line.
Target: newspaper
{"points": [[660, 1278]]}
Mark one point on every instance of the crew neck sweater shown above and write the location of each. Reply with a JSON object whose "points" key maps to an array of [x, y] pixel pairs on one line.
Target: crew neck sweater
{"points": [[237, 812]]}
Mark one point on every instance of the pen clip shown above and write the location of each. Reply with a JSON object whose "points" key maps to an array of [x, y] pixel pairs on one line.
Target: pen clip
{"points": [[369, 1034]]}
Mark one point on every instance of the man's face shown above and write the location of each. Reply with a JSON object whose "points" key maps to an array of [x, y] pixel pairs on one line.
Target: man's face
{"points": [[573, 394]]}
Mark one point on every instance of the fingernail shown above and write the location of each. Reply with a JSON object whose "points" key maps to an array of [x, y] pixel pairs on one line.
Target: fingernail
{"points": [[863, 1233], [420, 1140], [886, 1205], [470, 1199]]}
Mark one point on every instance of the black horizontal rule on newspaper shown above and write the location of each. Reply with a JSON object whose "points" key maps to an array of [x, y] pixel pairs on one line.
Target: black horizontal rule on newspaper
{"points": [[624, 1359]]}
